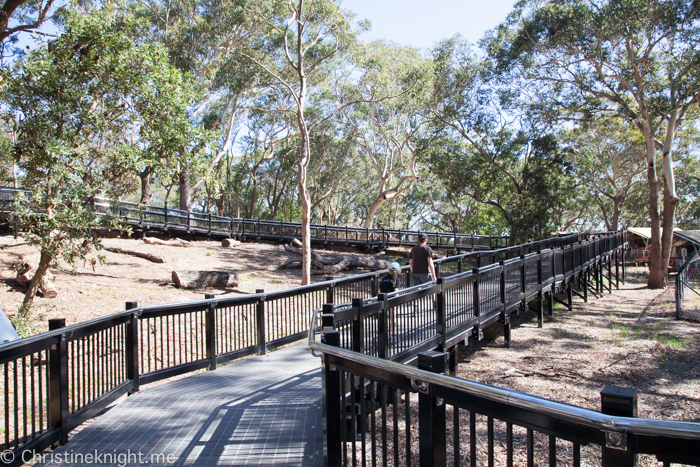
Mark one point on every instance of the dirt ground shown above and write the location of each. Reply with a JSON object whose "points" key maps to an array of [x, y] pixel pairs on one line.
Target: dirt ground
{"points": [[627, 338], [84, 293]]}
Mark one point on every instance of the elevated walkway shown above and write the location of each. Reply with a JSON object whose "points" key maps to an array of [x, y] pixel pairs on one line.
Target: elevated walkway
{"points": [[263, 411]]}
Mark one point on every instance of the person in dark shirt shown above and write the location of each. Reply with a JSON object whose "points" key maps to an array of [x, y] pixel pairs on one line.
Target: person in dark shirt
{"points": [[421, 262]]}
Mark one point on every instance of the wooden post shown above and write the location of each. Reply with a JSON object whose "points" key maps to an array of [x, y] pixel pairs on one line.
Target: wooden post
{"points": [[58, 382], [132, 349], [431, 415], [261, 322]]}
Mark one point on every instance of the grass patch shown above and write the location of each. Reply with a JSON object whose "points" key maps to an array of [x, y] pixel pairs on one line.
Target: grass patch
{"points": [[674, 340]]}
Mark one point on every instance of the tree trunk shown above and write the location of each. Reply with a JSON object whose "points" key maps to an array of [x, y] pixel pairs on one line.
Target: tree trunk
{"points": [[36, 282], [138, 254], [203, 279], [670, 198], [657, 269], [185, 191], [145, 177]]}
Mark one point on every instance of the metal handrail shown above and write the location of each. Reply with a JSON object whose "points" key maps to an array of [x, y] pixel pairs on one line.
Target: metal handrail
{"points": [[592, 418]]}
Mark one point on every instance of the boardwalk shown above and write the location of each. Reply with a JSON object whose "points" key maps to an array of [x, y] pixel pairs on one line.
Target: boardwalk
{"points": [[262, 411]]}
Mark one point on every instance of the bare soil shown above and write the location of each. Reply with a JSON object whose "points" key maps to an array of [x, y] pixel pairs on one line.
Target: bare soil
{"points": [[85, 293], [628, 338]]}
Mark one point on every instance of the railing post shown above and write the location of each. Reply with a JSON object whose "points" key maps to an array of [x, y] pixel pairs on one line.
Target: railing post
{"points": [[385, 327], [431, 415], [374, 285], [332, 398], [441, 318], [540, 295], [210, 331], [617, 448], [504, 316], [132, 349], [261, 322], [475, 298], [330, 291], [358, 332], [459, 264], [570, 295], [58, 382]]}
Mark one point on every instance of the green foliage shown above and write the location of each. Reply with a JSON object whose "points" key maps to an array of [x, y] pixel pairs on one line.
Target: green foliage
{"points": [[81, 102]]}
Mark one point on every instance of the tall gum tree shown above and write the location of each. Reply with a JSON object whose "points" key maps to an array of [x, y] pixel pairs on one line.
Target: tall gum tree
{"points": [[294, 42], [633, 59], [609, 160], [484, 147], [386, 129]]}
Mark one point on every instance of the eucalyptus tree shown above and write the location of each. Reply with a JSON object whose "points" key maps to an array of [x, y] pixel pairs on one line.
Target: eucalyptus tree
{"points": [[635, 60], [77, 102], [199, 38], [486, 148], [294, 43], [609, 160], [386, 129]]}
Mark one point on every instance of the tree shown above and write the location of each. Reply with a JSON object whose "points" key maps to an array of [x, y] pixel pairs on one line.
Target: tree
{"points": [[609, 160], [77, 103], [386, 128], [634, 60], [486, 148], [26, 15], [291, 42]]}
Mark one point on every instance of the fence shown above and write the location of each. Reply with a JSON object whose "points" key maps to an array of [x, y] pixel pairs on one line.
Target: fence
{"points": [[54, 381], [193, 223], [393, 414], [688, 289]]}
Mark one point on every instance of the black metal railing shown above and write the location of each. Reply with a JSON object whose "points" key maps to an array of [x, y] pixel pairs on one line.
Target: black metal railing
{"points": [[194, 223], [460, 305], [387, 413], [376, 403], [688, 289], [54, 381]]}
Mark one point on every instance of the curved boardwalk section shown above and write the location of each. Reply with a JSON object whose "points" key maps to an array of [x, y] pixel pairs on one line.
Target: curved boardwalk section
{"points": [[262, 411]]}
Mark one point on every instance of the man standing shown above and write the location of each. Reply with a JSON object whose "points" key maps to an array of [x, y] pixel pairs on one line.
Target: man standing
{"points": [[421, 264]]}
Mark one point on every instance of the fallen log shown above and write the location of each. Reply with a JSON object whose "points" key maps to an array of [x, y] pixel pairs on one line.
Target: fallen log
{"points": [[338, 262], [25, 274], [229, 242], [203, 279], [138, 254], [174, 242]]}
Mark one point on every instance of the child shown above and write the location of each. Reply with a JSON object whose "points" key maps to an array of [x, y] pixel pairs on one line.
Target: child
{"points": [[388, 282]]}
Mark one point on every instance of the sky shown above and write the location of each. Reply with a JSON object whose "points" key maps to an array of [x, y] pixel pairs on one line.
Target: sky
{"points": [[422, 23]]}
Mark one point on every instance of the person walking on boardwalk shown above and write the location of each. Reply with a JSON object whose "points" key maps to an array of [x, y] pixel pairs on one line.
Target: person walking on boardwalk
{"points": [[421, 263]]}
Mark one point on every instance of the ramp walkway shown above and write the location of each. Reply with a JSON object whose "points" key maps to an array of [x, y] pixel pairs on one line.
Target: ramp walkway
{"points": [[265, 410]]}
